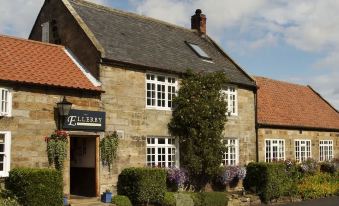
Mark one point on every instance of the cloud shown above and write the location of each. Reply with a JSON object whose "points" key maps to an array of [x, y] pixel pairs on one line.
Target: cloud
{"points": [[17, 16]]}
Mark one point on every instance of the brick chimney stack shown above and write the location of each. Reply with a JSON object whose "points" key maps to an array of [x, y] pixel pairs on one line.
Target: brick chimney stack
{"points": [[198, 22]]}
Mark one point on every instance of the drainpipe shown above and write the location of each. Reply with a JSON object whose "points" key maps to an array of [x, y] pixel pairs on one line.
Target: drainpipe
{"points": [[256, 124]]}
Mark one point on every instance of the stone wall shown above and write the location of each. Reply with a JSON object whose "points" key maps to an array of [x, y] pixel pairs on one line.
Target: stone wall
{"points": [[290, 135], [125, 104], [68, 32], [33, 118]]}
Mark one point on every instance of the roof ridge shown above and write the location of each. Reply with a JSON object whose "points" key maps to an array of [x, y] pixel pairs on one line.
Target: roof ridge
{"points": [[281, 81], [31, 41], [131, 14]]}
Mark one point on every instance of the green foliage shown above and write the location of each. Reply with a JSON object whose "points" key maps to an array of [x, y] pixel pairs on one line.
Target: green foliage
{"points": [[143, 185], [328, 167], [108, 149], [318, 186], [57, 149], [36, 187], [269, 180], [209, 198], [121, 200], [169, 199], [8, 199], [198, 120]]}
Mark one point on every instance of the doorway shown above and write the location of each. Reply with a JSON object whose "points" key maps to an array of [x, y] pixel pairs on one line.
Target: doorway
{"points": [[83, 166]]}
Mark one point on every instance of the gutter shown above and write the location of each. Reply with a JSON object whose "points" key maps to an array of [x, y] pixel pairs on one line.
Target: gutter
{"points": [[291, 127]]}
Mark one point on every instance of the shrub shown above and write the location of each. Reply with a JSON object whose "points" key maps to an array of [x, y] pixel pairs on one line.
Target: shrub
{"points": [[121, 200], [328, 167], [318, 185], [176, 178], [8, 200], [269, 180], [143, 185], [209, 199], [232, 173], [169, 199], [36, 187], [310, 166]]}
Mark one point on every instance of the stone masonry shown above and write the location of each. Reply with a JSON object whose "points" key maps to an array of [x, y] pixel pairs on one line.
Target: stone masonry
{"points": [[290, 135]]}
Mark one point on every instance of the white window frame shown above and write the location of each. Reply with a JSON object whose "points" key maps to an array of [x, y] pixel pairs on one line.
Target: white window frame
{"points": [[157, 83], [7, 113], [45, 32], [306, 151], [325, 150], [274, 144], [152, 142], [231, 156], [7, 154], [229, 94]]}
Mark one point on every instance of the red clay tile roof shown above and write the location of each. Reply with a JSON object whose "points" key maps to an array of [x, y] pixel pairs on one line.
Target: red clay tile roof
{"points": [[40, 63], [285, 104]]}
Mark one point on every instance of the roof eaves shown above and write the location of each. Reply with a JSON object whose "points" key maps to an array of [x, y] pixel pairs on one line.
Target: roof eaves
{"points": [[295, 127], [84, 27]]}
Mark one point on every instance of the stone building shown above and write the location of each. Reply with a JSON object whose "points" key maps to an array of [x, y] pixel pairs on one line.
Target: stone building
{"points": [[34, 77], [139, 61], [294, 122]]}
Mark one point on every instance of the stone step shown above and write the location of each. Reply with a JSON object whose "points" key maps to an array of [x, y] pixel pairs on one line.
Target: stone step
{"points": [[86, 201]]}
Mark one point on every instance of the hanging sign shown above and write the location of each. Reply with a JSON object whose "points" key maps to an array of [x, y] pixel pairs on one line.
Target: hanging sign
{"points": [[85, 120]]}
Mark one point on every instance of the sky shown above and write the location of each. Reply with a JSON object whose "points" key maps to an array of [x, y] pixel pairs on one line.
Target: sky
{"points": [[294, 41]]}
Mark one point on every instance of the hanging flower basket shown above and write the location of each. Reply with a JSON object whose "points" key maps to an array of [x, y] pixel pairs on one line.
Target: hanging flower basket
{"points": [[57, 148]]}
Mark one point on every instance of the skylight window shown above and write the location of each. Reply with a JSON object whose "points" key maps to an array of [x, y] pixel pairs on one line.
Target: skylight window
{"points": [[199, 51]]}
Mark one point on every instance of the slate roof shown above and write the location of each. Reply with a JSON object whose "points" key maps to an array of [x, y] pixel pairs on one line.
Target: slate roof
{"points": [[40, 63], [286, 104], [138, 40]]}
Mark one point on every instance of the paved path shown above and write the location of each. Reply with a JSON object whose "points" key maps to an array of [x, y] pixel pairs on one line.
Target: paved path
{"points": [[330, 201]]}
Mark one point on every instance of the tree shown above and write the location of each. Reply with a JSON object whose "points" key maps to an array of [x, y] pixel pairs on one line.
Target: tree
{"points": [[198, 121]]}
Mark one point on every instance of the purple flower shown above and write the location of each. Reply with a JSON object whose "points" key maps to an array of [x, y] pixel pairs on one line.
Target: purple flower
{"points": [[177, 176]]}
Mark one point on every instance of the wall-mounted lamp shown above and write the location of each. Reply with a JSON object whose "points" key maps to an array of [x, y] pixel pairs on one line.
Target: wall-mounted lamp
{"points": [[63, 107]]}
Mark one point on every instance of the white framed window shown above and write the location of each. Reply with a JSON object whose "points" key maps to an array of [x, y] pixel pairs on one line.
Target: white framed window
{"points": [[160, 90], [5, 102], [231, 100], [5, 153], [325, 150], [45, 32], [302, 150], [231, 156], [162, 152], [274, 150]]}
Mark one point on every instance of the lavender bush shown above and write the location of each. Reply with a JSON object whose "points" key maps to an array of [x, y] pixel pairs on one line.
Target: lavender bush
{"points": [[310, 166], [177, 178], [232, 173]]}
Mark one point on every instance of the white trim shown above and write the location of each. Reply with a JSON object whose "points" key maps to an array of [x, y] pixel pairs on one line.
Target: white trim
{"points": [[82, 68], [155, 82], [45, 32], [295, 152], [278, 149], [227, 160], [9, 101], [227, 91], [152, 143], [7, 154], [329, 156]]}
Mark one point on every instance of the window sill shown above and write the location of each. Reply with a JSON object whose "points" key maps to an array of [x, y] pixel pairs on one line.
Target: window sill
{"points": [[159, 109]]}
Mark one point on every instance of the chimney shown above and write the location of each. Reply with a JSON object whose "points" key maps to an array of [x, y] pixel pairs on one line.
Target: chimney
{"points": [[198, 22]]}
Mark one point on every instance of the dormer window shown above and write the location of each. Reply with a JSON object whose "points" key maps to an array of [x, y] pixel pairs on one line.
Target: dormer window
{"points": [[45, 32], [199, 51], [5, 102]]}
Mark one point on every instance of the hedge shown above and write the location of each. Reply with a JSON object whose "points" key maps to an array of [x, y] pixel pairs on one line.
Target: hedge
{"points": [[143, 185], [121, 200], [169, 199], [268, 180], [209, 199], [36, 187]]}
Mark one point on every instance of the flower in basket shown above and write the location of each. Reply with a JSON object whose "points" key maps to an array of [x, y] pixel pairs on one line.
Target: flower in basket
{"points": [[57, 148]]}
